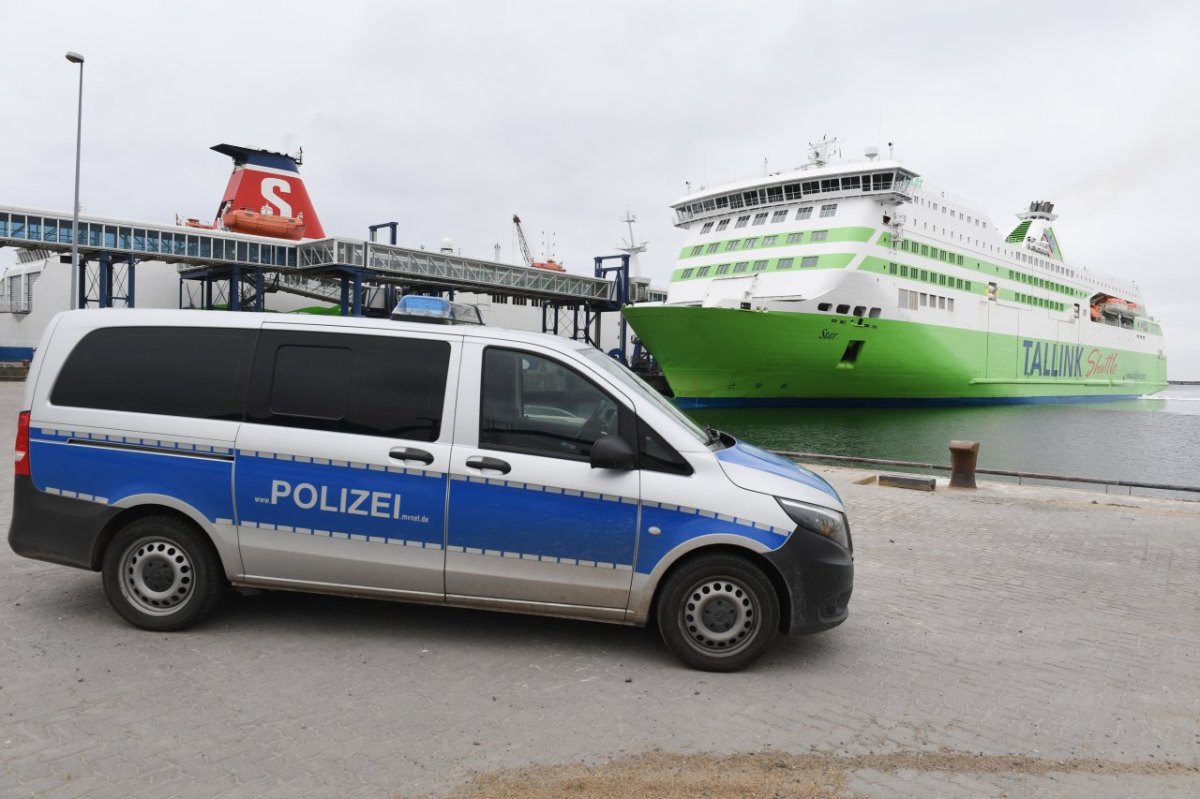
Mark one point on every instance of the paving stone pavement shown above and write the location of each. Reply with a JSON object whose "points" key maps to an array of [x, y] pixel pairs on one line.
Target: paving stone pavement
{"points": [[1045, 622]]}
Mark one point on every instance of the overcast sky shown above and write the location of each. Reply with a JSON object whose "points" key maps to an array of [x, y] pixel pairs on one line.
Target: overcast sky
{"points": [[449, 117]]}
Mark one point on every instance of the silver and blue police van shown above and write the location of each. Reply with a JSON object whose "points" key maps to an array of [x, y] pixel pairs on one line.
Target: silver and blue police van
{"points": [[181, 452]]}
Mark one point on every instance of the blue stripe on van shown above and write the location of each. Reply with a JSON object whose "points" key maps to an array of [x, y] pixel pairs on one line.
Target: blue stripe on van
{"points": [[541, 521], [680, 526], [108, 475], [301, 495]]}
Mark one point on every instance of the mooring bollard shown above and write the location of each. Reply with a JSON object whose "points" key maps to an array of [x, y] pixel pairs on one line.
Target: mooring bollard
{"points": [[964, 456]]}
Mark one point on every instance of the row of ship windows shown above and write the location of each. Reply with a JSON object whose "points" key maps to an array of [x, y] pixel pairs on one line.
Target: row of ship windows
{"points": [[1040, 302], [913, 300], [761, 218], [1032, 260], [927, 276], [790, 192], [931, 252], [844, 308], [752, 242], [950, 211], [1042, 283], [746, 266], [1013, 274]]}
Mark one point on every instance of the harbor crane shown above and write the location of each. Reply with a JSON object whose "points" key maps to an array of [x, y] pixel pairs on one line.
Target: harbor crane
{"points": [[523, 243]]}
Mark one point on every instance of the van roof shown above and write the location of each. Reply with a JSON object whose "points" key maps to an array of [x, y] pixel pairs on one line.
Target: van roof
{"points": [[114, 317]]}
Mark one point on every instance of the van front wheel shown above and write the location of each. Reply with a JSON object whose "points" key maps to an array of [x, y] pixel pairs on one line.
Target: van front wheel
{"points": [[718, 613], [162, 574]]}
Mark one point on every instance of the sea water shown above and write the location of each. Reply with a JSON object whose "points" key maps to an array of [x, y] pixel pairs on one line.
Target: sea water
{"points": [[1151, 439]]}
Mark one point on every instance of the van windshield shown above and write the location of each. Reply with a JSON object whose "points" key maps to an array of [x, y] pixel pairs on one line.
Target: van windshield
{"points": [[643, 389]]}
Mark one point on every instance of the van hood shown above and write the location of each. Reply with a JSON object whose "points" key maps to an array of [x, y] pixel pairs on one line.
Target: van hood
{"points": [[756, 469]]}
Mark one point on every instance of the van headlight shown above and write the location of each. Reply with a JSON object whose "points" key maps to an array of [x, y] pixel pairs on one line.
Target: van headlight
{"points": [[829, 523]]}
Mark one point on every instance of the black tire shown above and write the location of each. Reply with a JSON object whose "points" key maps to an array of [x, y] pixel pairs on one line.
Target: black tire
{"points": [[162, 574], [718, 613]]}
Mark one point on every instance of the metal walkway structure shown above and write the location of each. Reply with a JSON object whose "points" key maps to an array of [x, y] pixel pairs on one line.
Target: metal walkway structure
{"points": [[238, 270]]}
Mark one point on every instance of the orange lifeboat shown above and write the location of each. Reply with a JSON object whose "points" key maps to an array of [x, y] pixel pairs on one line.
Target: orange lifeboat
{"points": [[1095, 313], [191, 221], [243, 220], [550, 264]]}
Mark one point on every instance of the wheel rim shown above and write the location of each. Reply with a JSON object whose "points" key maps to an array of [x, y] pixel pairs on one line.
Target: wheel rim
{"points": [[719, 616], [156, 576]]}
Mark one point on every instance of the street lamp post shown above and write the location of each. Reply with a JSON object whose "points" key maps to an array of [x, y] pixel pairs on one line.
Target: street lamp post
{"points": [[76, 58]]}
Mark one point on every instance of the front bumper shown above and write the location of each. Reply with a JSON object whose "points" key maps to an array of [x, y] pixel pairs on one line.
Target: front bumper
{"points": [[819, 576]]}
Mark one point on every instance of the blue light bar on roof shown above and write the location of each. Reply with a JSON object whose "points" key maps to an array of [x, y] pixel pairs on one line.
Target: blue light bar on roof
{"points": [[435, 310]]}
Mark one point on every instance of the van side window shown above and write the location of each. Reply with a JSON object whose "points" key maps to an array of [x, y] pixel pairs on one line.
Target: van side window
{"points": [[198, 372], [369, 385], [295, 392], [656, 455], [534, 405]]}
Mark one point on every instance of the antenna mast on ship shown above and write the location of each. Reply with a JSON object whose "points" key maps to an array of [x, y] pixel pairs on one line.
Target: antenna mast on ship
{"points": [[820, 152], [632, 247]]}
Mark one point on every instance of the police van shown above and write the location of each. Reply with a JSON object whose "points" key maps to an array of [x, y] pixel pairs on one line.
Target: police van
{"points": [[180, 452]]}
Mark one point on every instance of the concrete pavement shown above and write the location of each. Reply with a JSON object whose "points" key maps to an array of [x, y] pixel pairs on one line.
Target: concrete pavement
{"points": [[1048, 623]]}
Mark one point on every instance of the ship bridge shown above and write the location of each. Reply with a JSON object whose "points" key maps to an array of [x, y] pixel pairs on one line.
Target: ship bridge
{"points": [[243, 268], [884, 181]]}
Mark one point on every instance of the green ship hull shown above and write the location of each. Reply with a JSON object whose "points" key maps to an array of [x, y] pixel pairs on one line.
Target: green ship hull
{"points": [[722, 356]]}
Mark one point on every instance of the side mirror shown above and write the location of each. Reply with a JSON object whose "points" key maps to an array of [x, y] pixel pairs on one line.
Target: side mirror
{"points": [[613, 452]]}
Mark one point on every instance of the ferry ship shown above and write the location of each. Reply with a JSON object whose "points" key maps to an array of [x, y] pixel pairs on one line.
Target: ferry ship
{"points": [[853, 282]]}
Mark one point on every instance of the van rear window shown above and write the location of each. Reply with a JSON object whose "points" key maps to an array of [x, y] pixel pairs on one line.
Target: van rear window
{"points": [[178, 371], [370, 385]]}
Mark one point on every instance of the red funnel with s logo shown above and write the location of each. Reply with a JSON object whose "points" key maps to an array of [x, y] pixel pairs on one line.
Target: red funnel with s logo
{"points": [[266, 196]]}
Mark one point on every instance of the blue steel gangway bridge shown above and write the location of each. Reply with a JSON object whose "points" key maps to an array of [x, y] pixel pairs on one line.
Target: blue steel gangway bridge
{"points": [[236, 271]]}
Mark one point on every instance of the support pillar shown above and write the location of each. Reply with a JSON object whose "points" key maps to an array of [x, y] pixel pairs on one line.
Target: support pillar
{"points": [[104, 281], [129, 282], [235, 288], [81, 277]]}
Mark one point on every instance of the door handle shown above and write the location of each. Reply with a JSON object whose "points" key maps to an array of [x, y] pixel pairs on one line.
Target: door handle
{"points": [[489, 463], [411, 454]]}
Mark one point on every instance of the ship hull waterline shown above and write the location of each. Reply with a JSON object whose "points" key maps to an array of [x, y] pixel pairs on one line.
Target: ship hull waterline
{"points": [[714, 357]]}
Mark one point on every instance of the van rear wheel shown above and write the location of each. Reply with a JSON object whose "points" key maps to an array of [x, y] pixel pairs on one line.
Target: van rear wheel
{"points": [[718, 613], [162, 574]]}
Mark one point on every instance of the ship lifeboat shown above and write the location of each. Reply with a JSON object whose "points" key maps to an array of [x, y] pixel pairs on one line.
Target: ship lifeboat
{"points": [[1095, 313], [550, 265], [243, 220], [1115, 306], [191, 221]]}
